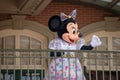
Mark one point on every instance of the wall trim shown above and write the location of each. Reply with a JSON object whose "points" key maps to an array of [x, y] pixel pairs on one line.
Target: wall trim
{"points": [[20, 24], [110, 24]]}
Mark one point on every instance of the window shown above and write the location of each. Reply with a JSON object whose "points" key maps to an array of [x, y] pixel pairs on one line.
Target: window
{"points": [[30, 43], [7, 42], [104, 44], [17, 39], [15, 64], [116, 43], [110, 42]]}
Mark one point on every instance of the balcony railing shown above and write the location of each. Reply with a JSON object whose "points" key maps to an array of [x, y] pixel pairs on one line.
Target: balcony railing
{"points": [[17, 64]]}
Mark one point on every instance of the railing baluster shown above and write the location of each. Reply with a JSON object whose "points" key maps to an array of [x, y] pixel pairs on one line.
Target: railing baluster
{"points": [[21, 65], [7, 65], [42, 63], [89, 66], [96, 65], [103, 58], [14, 56], [31, 68], [1, 75], [110, 66], [117, 64]]}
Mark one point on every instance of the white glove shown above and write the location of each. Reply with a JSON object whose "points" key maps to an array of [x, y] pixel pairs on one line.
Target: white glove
{"points": [[95, 41]]}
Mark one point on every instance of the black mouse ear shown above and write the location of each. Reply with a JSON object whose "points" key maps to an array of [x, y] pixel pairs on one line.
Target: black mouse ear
{"points": [[54, 23]]}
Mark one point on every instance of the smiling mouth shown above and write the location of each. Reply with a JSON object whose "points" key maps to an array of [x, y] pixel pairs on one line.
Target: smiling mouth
{"points": [[71, 40]]}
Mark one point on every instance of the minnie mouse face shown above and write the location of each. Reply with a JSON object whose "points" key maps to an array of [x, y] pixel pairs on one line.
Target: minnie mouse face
{"points": [[65, 26], [72, 35]]}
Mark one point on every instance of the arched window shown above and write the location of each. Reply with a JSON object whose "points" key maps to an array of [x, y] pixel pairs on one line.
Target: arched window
{"points": [[18, 33], [110, 42], [22, 39]]}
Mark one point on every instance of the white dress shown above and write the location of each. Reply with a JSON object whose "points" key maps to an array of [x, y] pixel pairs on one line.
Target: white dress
{"points": [[64, 68]]}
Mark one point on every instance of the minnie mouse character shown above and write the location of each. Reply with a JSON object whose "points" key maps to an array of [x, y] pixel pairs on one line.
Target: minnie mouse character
{"points": [[68, 67]]}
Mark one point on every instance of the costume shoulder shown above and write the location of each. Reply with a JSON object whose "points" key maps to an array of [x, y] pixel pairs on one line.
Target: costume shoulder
{"points": [[55, 43]]}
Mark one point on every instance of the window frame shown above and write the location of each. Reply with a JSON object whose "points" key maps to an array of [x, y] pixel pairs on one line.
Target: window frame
{"points": [[28, 33]]}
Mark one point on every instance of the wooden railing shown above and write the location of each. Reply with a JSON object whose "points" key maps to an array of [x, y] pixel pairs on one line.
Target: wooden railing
{"points": [[17, 64]]}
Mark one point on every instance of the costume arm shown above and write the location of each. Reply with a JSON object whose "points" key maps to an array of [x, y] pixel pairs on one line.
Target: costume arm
{"points": [[94, 43], [84, 47]]}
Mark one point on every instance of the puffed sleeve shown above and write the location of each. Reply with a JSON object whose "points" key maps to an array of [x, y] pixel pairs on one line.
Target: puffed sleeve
{"points": [[80, 43], [55, 45]]}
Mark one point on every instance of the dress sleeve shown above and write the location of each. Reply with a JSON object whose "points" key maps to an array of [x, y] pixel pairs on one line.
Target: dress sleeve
{"points": [[80, 43], [54, 44]]}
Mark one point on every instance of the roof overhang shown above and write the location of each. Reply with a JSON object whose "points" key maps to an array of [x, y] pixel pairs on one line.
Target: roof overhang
{"points": [[23, 6]]}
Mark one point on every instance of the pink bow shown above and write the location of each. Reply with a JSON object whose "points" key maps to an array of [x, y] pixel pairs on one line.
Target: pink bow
{"points": [[71, 15]]}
